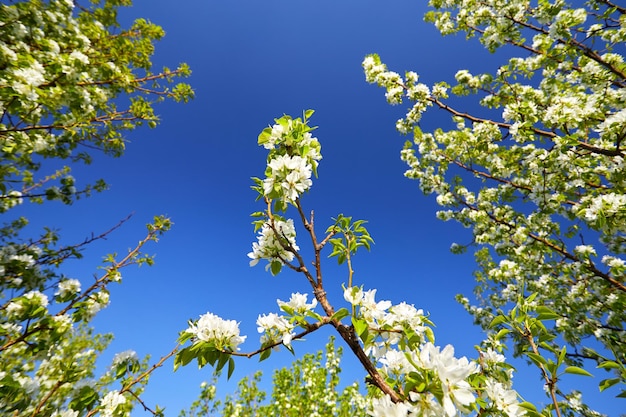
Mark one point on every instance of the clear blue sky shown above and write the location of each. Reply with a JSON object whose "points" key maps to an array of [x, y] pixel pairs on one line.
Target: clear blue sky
{"points": [[252, 61]]}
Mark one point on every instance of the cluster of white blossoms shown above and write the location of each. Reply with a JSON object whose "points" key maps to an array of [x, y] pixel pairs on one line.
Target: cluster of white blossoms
{"points": [[68, 288], [127, 356], [274, 328], [277, 134], [32, 302], [96, 302], [224, 334], [11, 199], [384, 315], [297, 304], [289, 176], [292, 160], [457, 393], [607, 210], [110, 403], [275, 243], [388, 326], [399, 88], [26, 80]]}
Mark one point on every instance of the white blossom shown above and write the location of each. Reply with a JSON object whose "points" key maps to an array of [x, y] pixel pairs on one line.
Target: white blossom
{"points": [[384, 407], [292, 174], [68, 287], [124, 357], [298, 303], [212, 328], [275, 327], [110, 402], [270, 246]]}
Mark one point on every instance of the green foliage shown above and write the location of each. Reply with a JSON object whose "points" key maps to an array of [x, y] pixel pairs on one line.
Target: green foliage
{"points": [[353, 236], [310, 387], [70, 78], [540, 181]]}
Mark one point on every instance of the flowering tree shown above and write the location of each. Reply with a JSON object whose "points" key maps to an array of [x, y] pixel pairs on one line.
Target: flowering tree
{"points": [[72, 81], [541, 183], [308, 388]]}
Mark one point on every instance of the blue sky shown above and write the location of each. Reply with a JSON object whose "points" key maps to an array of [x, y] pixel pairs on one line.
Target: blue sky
{"points": [[253, 61]]}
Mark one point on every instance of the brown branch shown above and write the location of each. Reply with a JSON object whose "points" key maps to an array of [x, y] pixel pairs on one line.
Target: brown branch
{"points": [[475, 119], [551, 383], [128, 260], [142, 376], [587, 51], [590, 266], [50, 393], [310, 328], [507, 126], [347, 333], [309, 226], [613, 5], [143, 404], [127, 387]]}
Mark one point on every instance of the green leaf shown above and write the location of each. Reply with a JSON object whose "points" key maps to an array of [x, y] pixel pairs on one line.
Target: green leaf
{"points": [[537, 359], [265, 354], [231, 367], [360, 326], [222, 360], [530, 408], [264, 136], [577, 371], [609, 365], [562, 355], [544, 313], [501, 333], [497, 320], [183, 357], [340, 314], [275, 267], [608, 383]]}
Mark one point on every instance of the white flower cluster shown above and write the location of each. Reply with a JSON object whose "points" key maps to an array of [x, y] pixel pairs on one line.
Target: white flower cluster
{"points": [[294, 156], [68, 288], [273, 243], [297, 304], [11, 199], [223, 333], [97, 302], [290, 176], [110, 403], [128, 356], [31, 301], [398, 88], [600, 209], [390, 323], [26, 80], [273, 328]]}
